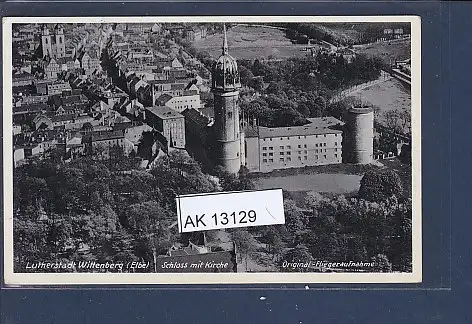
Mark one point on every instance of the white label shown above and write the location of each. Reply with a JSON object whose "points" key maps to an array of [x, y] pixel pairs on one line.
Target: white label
{"points": [[203, 212]]}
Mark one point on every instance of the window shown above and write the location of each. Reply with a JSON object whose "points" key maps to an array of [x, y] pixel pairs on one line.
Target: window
{"points": [[335, 155], [288, 147], [230, 114], [316, 150], [271, 160], [264, 154], [281, 153], [289, 159], [304, 146], [281, 147], [299, 146], [289, 153], [324, 144], [324, 156], [299, 137], [316, 157], [316, 145], [335, 143], [271, 148], [264, 160], [305, 152], [237, 153], [263, 139], [264, 148], [281, 159], [299, 152], [325, 150], [270, 139], [324, 135], [304, 136], [300, 158], [271, 154], [281, 138], [305, 157], [335, 150], [288, 138]]}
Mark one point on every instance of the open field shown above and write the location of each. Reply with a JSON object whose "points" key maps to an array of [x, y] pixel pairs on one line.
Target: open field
{"points": [[398, 49], [387, 95], [330, 183], [250, 42]]}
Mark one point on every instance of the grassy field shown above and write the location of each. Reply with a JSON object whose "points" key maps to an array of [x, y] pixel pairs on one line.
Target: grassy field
{"points": [[399, 49], [330, 183], [247, 42], [329, 179], [386, 96]]}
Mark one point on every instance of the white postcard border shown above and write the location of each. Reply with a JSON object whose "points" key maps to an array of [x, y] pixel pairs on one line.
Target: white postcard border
{"points": [[20, 279]]}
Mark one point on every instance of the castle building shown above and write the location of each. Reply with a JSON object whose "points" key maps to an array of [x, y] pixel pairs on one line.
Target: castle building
{"points": [[225, 88], [317, 143], [321, 141], [53, 45]]}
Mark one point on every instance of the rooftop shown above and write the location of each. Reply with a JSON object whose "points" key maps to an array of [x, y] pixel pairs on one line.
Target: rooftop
{"points": [[103, 136], [317, 126], [164, 112]]}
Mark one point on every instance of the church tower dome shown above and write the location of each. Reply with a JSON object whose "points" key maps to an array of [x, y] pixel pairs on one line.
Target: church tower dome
{"points": [[225, 74], [225, 88]]}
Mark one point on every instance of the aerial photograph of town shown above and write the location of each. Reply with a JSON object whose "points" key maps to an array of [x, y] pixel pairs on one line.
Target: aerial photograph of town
{"points": [[113, 121]]}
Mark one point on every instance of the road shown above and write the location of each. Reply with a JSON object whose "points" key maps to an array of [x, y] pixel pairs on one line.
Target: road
{"points": [[384, 76]]}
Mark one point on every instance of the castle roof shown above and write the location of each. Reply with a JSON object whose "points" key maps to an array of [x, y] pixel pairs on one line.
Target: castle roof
{"points": [[317, 126]]}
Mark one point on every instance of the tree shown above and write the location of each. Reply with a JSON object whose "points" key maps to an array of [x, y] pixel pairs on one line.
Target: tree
{"points": [[245, 75], [396, 120], [313, 199], [299, 254], [245, 243], [380, 184], [381, 263], [272, 235], [256, 83], [144, 217], [294, 219]]}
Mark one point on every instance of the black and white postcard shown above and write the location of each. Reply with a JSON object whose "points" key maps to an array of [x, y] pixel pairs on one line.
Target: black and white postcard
{"points": [[212, 150]]}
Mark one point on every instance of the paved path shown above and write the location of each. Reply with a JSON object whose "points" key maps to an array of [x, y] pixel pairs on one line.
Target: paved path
{"points": [[384, 76]]}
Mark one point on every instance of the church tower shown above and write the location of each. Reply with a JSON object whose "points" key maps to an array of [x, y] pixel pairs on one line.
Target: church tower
{"points": [[60, 43], [225, 88], [46, 42]]}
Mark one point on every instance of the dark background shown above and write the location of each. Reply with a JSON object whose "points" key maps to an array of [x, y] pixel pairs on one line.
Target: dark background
{"points": [[447, 273]]}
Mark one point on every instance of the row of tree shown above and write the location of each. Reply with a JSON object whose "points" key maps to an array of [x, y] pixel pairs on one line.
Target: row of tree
{"points": [[375, 226], [90, 209], [299, 88]]}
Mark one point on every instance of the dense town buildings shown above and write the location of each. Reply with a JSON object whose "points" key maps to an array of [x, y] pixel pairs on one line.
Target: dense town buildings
{"points": [[116, 82]]}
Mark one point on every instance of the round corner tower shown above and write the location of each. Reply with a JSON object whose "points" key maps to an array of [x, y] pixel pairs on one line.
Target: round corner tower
{"points": [[225, 87], [358, 143]]}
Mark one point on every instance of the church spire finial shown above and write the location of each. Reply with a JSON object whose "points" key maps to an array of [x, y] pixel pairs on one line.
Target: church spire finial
{"points": [[225, 41]]}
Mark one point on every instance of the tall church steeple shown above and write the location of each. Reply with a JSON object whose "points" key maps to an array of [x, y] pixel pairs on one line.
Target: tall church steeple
{"points": [[225, 88], [225, 41]]}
